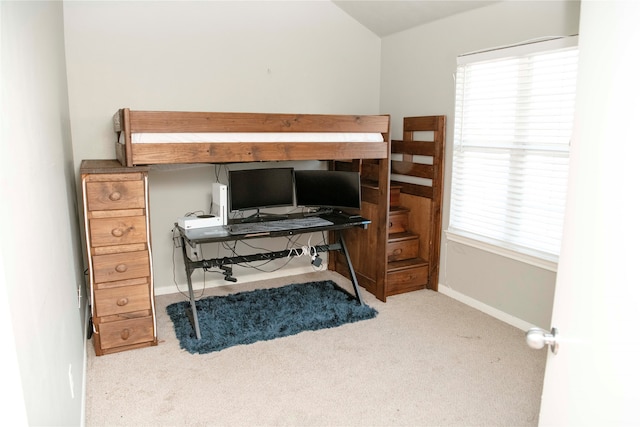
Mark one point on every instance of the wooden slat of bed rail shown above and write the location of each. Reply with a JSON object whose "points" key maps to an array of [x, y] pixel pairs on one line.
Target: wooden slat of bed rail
{"points": [[422, 148], [232, 152], [163, 121], [414, 189], [417, 170], [423, 123]]}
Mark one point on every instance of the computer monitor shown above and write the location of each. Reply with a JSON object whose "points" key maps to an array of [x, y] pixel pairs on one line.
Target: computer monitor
{"points": [[327, 189], [260, 188]]}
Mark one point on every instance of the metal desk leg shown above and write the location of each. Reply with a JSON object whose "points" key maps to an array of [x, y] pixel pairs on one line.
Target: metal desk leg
{"points": [[189, 270], [354, 280]]}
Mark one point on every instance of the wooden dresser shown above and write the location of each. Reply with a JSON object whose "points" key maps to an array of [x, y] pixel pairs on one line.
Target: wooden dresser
{"points": [[116, 221]]}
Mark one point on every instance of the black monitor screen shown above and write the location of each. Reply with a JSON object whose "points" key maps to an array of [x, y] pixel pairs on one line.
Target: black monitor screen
{"points": [[260, 188], [328, 189]]}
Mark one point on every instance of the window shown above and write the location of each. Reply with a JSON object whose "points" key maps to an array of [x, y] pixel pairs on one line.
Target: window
{"points": [[512, 132]]}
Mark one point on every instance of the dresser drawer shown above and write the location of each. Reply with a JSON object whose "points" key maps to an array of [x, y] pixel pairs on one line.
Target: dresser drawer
{"points": [[109, 195], [120, 266], [126, 332], [118, 230], [122, 299]]}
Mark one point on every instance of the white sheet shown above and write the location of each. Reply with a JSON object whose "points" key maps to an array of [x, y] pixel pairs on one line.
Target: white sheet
{"points": [[141, 138]]}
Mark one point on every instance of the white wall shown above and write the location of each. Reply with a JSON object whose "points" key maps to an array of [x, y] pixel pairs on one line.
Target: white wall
{"points": [[289, 57], [417, 72], [40, 266]]}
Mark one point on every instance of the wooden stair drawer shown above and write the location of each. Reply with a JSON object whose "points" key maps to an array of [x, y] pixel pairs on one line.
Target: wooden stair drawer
{"points": [[402, 246], [118, 230], [407, 276], [398, 220], [121, 266], [126, 332], [110, 195], [122, 299]]}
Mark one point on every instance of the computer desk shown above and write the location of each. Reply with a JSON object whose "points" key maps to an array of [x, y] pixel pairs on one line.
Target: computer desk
{"points": [[218, 234]]}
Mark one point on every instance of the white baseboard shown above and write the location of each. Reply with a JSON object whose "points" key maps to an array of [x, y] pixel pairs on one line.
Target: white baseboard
{"points": [[487, 309]]}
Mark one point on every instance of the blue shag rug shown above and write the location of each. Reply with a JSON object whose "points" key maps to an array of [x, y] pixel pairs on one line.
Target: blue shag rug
{"points": [[265, 314]]}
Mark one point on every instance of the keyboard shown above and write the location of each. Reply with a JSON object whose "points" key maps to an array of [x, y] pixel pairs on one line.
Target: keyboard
{"points": [[278, 225]]}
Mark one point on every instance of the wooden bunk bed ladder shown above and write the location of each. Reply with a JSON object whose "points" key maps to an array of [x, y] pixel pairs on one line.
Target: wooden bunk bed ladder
{"points": [[406, 212], [422, 201]]}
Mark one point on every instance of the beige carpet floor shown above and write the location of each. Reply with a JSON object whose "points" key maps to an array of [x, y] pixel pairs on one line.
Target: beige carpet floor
{"points": [[425, 360]]}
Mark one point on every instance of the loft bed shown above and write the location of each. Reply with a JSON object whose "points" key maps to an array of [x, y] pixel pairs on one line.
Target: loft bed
{"points": [[162, 137]]}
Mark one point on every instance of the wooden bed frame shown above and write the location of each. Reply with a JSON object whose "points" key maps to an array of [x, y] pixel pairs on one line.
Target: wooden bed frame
{"points": [[129, 122], [364, 157]]}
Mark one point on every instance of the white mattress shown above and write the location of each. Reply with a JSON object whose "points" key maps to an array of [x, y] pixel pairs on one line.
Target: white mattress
{"points": [[141, 138]]}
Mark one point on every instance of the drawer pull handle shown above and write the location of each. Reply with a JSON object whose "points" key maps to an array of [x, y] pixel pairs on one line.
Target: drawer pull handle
{"points": [[122, 302], [121, 268], [397, 251], [117, 232], [125, 334], [390, 224], [115, 196]]}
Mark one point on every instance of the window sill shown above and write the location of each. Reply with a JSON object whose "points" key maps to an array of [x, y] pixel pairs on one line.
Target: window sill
{"points": [[549, 263]]}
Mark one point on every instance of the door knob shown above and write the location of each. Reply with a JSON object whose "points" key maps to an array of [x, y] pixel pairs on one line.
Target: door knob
{"points": [[537, 338]]}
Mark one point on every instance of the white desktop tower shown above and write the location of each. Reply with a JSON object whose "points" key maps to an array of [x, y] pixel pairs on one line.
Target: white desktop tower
{"points": [[219, 202]]}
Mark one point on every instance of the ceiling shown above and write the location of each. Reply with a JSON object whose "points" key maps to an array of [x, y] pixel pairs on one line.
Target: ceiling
{"points": [[391, 16]]}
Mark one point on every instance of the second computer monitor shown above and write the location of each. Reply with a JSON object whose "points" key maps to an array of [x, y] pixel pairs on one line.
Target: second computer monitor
{"points": [[327, 189]]}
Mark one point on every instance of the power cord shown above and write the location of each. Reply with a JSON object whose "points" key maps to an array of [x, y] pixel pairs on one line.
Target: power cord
{"points": [[309, 251]]}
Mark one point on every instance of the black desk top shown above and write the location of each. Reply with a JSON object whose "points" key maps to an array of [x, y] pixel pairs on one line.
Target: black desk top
{"points": [[221, 233]]}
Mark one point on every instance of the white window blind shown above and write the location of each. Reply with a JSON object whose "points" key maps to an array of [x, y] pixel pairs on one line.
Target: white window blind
{"points": [[512, 132]]}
